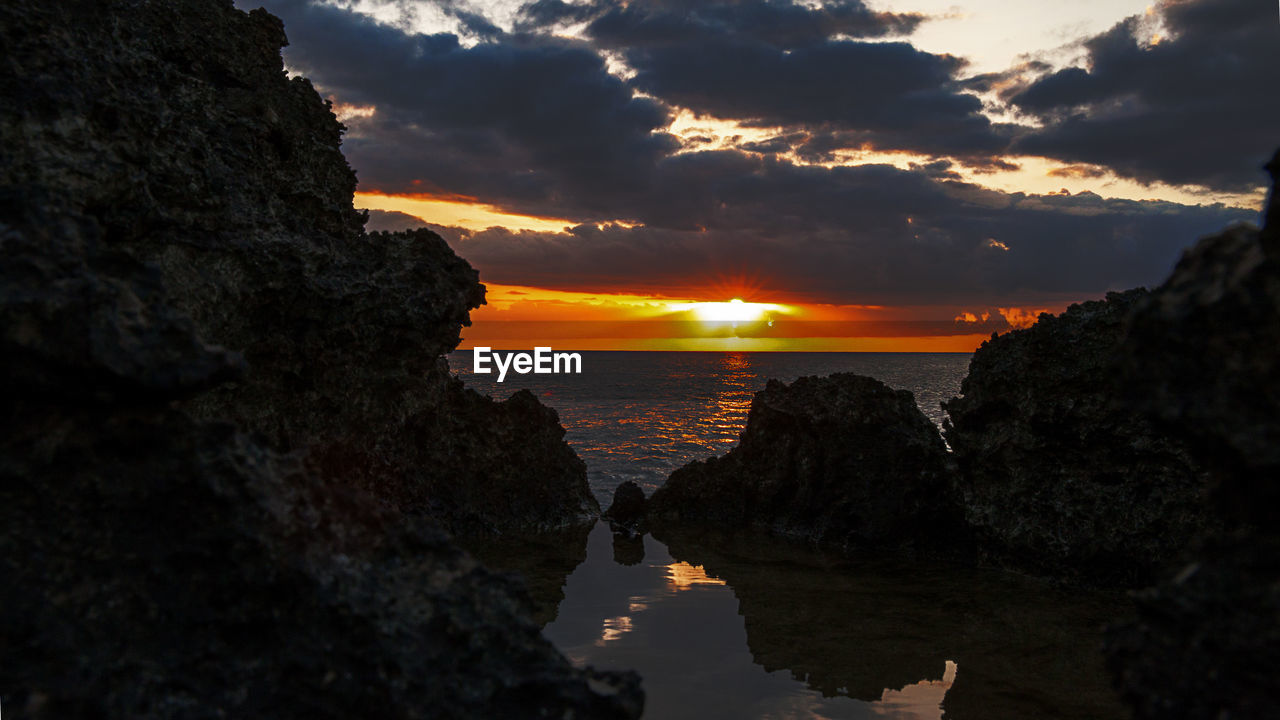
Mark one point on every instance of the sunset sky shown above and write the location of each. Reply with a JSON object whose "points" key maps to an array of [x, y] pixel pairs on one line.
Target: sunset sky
{"points": [[887, 175]]}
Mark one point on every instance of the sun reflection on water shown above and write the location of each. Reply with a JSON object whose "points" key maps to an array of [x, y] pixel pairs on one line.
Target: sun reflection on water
{"points": [[682, 576]]}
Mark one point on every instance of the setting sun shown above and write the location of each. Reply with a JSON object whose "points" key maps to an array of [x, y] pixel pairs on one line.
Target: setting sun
{"points": [[733, 311]]}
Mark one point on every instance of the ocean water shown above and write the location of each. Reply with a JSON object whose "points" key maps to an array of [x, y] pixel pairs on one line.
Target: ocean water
{"points": [[640, 415], [722, 626]]}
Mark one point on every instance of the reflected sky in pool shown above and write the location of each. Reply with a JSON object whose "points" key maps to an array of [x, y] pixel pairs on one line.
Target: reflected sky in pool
{"points": [[681, 630]]}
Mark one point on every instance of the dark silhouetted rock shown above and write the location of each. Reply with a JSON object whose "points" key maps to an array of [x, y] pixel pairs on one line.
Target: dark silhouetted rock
{"points": [[171, 134], [1060, 478], [844, 460], [627, 508], [1201, 357], [159, 567], [172, 206]]}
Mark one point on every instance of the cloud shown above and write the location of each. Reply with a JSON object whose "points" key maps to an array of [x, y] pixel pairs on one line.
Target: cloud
{"points": [[1036, 250], [531, 121], [1197, 107], [538, 125], [780, 23]]}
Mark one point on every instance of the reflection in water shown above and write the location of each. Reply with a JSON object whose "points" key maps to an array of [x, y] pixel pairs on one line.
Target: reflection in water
{"points": [[628, 549], [920, 699], [543, 561], [679, 627], [614, 628], [682, 576], [757, 629]]}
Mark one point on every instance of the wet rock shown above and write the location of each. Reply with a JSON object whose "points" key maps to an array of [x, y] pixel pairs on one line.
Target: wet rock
{"points": [[843, 460], [172, 135], [1058, 476], [1200, 357], [627, 508]]}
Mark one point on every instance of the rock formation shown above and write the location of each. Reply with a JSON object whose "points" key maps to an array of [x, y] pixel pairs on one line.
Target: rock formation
{"points": [[161, 567], [626, 512], [843, 460], [1201, 357], [191, 151], [228, 418], [1058, 476]]}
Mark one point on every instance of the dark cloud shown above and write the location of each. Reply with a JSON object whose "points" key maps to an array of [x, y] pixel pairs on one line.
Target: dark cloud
{"points": [[1198, 107], [537, 125], [780, 23], [775, 62], [528, 120], [866, 235], [938, 169]]}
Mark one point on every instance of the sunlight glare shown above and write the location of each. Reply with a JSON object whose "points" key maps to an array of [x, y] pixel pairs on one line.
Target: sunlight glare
{"points": [[733, 311]]}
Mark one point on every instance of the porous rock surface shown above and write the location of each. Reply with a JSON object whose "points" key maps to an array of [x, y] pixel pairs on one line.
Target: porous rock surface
{"points": [[162, 567], [843, 460], [172, 133], [1058, 476], [1201, 357], [207, 368]]}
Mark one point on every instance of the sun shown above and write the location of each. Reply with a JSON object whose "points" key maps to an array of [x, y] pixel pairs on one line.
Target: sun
{"points": [[734, 311]]}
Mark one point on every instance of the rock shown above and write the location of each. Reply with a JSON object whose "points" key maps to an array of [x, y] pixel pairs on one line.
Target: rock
{"points": [[1200, 358], [1203, 644], [161, 567], [843, 460], [171, 133], [1058, 476], [192, 326], [627, 508]]}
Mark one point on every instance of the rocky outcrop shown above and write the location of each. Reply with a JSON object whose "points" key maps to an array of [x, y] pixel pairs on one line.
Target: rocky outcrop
{"points": [[172, 129], [843, 460], [1200, 357], [627, 509], [1059, 477], [161, 567], [227, 419]]}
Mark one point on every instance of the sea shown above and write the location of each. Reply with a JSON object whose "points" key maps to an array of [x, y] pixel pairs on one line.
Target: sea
{"points": [[756, 627], [640, 415]]}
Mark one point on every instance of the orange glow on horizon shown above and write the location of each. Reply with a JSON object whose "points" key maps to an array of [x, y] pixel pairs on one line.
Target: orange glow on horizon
{"points": [[520, 317]]}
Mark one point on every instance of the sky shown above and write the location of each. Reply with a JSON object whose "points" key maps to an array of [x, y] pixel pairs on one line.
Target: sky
{"points": [[879, 175]]}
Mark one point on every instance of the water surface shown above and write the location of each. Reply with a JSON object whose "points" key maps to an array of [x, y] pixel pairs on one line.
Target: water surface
{"points": [[720, 627], [640, 415], [724, 627]]}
